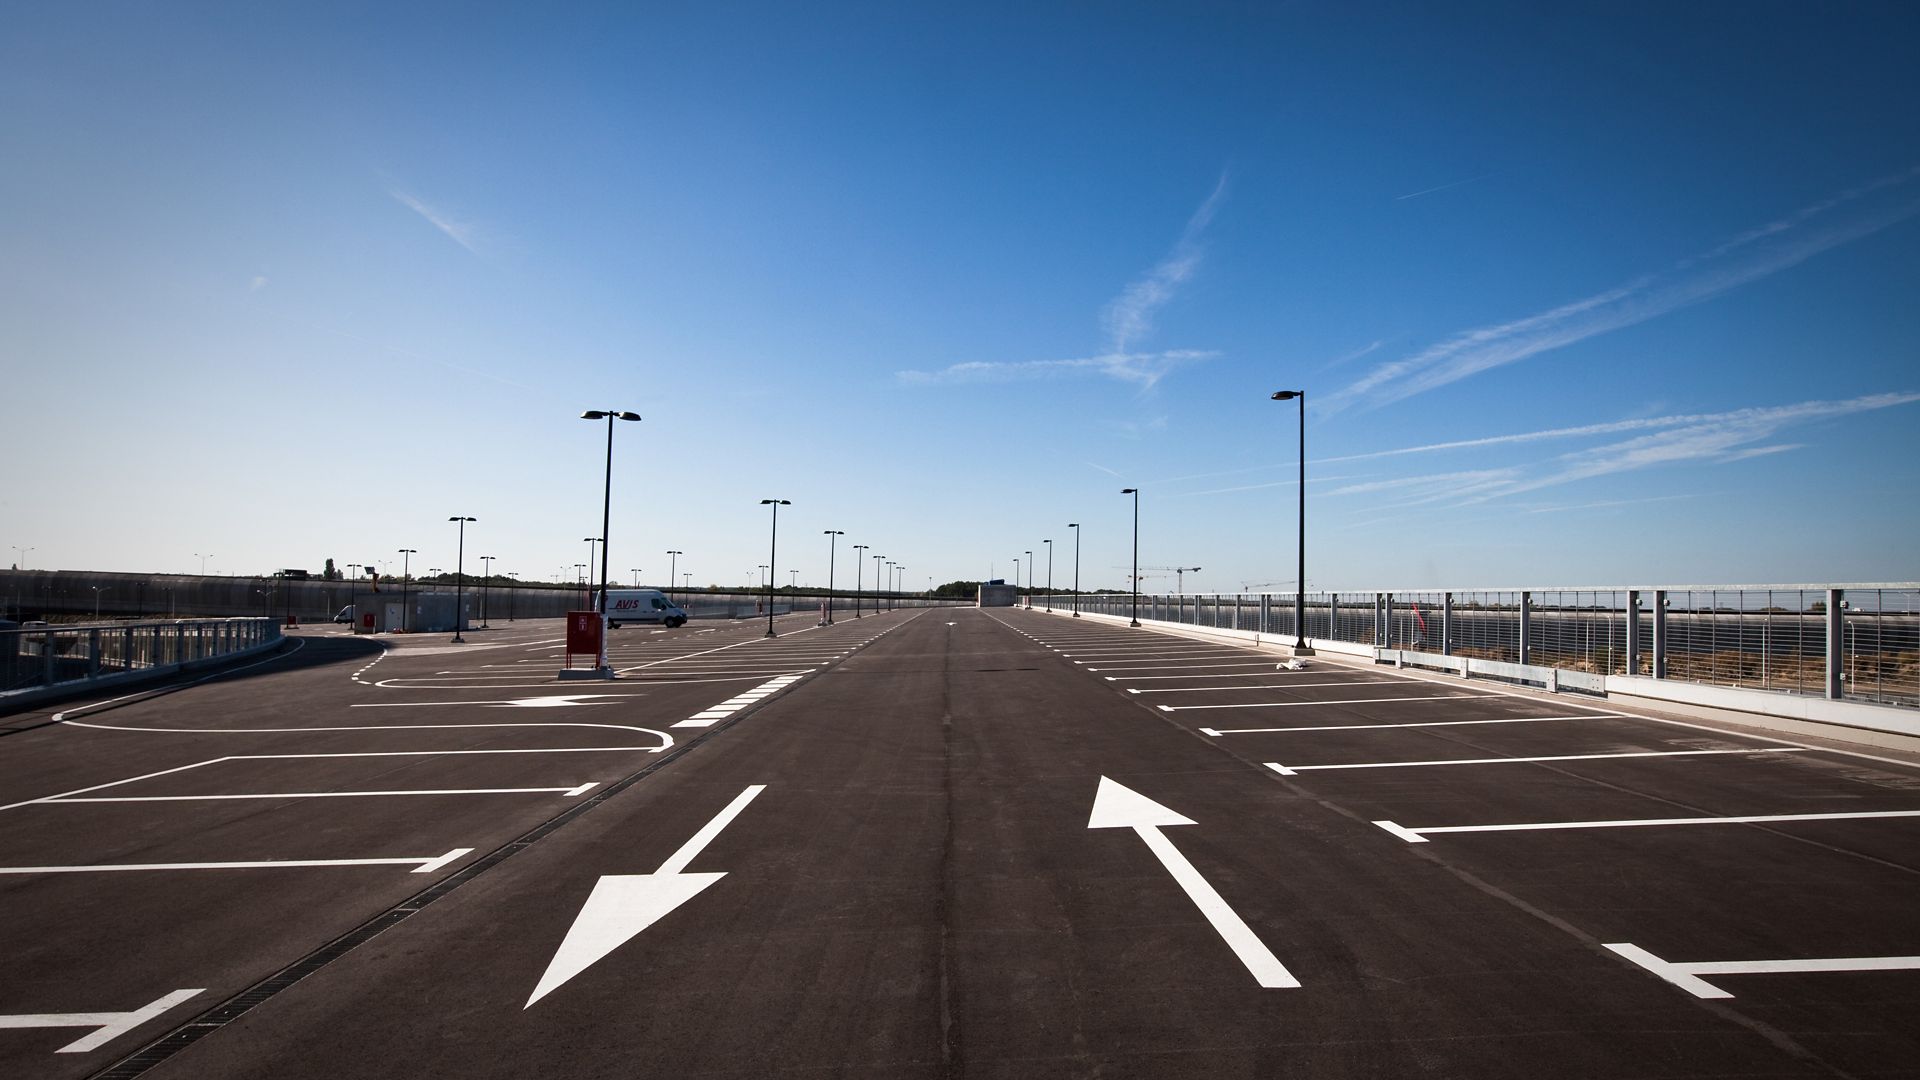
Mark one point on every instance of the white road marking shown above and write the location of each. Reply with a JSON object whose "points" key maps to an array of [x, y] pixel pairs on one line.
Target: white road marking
{"points": [[1687, 976], [1346, 701], [1419, 836], [577, 789], [111, 1025], [1290, 770], [1274, 686], [1222, 675], [420, 865], [1266, 667], [713, 715], [545, 701], [1116, 806], [622, 905], [666, 740], [1217, 732]]}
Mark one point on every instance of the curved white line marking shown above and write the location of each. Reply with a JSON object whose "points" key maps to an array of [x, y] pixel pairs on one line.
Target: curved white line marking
{"points": [[666, 739]]}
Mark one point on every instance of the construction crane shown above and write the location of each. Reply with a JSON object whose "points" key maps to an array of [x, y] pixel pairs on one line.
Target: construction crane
{"points": [[1179, 574]]}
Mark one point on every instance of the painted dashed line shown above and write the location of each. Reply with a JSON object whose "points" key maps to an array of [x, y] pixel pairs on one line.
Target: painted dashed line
{"points": [[383, 655], [710, 717]]}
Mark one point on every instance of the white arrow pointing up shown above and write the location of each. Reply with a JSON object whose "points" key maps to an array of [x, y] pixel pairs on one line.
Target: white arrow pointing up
{"points": [[622, 905], [1116, 806]]}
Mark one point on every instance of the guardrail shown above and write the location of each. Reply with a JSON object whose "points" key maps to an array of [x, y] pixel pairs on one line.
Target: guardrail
{"points": [[1860, 643], [48, 657]]}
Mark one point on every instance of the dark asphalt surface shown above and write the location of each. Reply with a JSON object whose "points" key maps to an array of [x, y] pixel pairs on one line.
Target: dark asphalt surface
{"points": [[910, 887]]}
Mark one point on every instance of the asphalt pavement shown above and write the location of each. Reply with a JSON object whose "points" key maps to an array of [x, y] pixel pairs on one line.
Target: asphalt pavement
{"points": [[936, 843]]}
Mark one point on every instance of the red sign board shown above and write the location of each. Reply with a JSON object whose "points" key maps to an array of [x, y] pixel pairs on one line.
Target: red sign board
{"points": [[583, 632]]}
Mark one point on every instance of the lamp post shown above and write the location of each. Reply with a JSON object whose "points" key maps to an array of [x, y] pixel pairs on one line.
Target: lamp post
{"points": [[606, 512], [460, 580], [1029, 581], [686, 587], [486, 578], [673, 563], [1300, 583], [1075, 526], [877, 560], [636, 577], [1016, 581], [833, 539], [794, 581], [1049, 544], [773, 559], [1135, 492], [406, 581], [899, 578], [203, 562], [889, 588], [857, 567], [511, 576], [587, 578]]}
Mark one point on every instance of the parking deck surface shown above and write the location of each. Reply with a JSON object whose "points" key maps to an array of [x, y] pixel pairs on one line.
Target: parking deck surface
{"points": [[936, 843]]}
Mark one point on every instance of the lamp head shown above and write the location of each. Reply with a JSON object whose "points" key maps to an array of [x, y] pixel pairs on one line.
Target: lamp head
{"points": [[1129, 491], [1288, 395]]}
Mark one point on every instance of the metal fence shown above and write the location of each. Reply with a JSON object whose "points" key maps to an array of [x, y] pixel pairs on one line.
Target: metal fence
{"points": [[39, 657], [1858, 642]]}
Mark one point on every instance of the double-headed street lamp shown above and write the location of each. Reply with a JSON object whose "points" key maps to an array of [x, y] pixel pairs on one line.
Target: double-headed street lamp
{"points": [[636, 577], [833, 539], [406, 609], [1075, 526], [606, 514], [877, 560], [1135, 492], [1300, 583], [899, 578], [857, 567], [460, 580], [773, 555]]}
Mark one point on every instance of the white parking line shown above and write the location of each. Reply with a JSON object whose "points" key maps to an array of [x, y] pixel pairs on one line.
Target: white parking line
{"points": [[1345, 701], [111, 1025], [1687, 976], [1217, 732], [1272, 686], [575, 790], [421, 866], [1419, 836], [1291, 770]]}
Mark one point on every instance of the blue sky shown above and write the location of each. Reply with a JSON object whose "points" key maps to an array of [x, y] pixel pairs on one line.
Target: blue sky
{"points": [[1621, 294]]}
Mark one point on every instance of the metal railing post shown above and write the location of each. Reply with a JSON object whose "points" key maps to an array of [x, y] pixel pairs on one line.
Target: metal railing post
{"points": [[1836, 643], [1526, 626], [1333, 616], [1633, 632], [1659, 633], [1446, 624]]}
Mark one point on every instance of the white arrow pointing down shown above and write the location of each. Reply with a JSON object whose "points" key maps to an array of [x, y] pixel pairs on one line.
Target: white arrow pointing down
{"points": [[622, 905], [1116, 806]]}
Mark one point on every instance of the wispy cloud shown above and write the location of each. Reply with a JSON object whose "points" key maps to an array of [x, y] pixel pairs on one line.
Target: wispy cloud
{"points": [[1446, 187], [1144, 369], [1745, 258], [1719, 439], [1104, 469], [1126, 320], [1605, 504], [256, 283], [459, 232]]}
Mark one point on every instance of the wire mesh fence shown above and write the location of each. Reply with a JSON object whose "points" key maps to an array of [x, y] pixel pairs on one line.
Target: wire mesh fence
{"points": [[1779, 638]]}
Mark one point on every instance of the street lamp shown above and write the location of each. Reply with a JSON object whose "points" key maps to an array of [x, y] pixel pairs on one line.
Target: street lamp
{"points": [[857, 567], [460, 580], [1016, 580], [1075, 526], [1135, 492], [877, 560], [406, 614], [833, 539], [1029, 581], [773, 555], [606, 512], [588, 577], [899, 579], [794, 581], [889, 587], [203, 561], [673, 563], [486, 578], [1049, 544], [1300, 583]]}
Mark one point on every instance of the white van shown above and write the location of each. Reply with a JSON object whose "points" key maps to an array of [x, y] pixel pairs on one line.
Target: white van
{"points": [[639, 606]]}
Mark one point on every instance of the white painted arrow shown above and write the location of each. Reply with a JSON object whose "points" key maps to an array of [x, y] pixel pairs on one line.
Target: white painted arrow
{"points": [[622, 905], [1116, 806]]}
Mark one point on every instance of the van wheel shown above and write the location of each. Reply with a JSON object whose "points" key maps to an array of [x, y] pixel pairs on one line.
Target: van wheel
{"points": [[611, 625], [677, 623]]}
